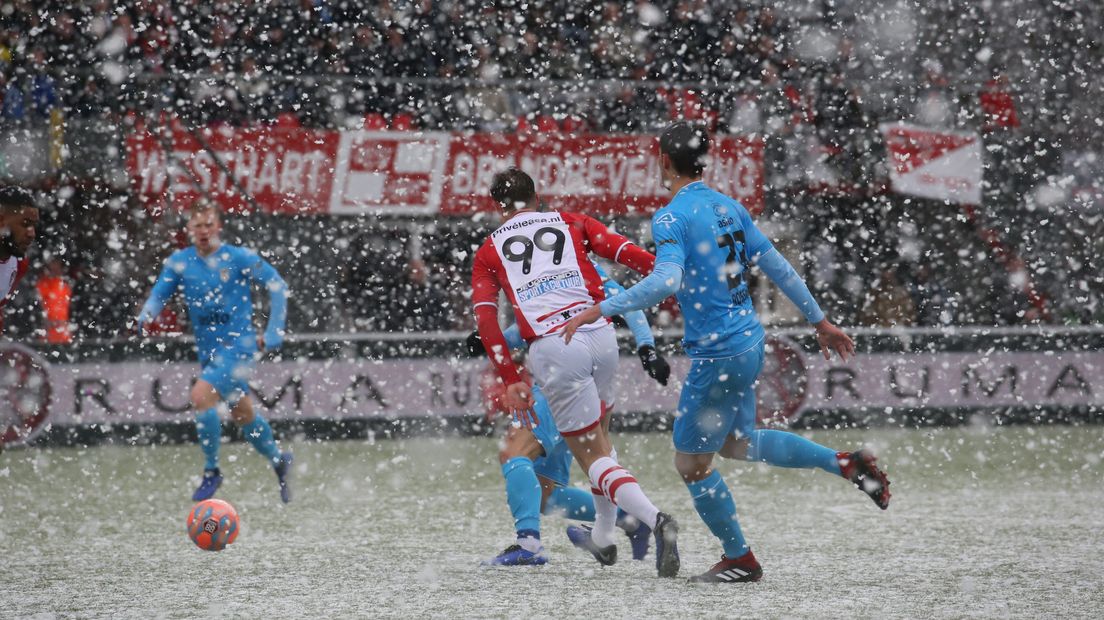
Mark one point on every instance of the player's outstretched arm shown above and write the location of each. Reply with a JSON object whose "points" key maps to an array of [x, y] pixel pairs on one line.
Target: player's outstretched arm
{"points": [[265, 274], [654, 364], [662, 282], [782, 273], [659, 285], [163, 289]]}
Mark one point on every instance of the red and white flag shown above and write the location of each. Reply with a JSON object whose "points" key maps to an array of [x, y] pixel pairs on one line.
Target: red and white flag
{"points": [[934, 163]]}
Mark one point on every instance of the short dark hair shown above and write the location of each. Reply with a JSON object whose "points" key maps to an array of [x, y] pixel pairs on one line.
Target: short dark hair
{"points": [[15, 199], [202, 206], [687, 145], [512, 187]]}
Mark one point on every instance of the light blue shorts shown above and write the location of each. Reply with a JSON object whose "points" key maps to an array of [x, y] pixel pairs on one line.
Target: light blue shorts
{"points": [[229, 371], [718, 399]]}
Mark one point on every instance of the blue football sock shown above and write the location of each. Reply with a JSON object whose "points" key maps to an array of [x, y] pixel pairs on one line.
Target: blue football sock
{"points": [[784, 449], [571, 502], [209, 431], [523, 494], [718, 510], [259, 433]]}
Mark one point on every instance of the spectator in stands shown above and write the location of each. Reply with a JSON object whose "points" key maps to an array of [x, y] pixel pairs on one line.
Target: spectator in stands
{"points": [[216, 101], [43, 94], [841, 126], [255, 89], [13, 108], [613, 45], [735, 62], [630, 110], [55, 293], [929, 297], [101, 301], [997, 105], [889, 303], [488, 101], [934, 103], [389, 290], [784, 114], [419, 305]]}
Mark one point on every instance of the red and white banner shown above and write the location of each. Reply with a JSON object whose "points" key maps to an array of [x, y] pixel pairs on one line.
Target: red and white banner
{"points": [[309, 171], [934, 163]]}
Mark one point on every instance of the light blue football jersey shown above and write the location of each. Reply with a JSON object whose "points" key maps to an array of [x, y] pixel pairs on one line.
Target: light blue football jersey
{"points": [[218, 296], [714, 240]]}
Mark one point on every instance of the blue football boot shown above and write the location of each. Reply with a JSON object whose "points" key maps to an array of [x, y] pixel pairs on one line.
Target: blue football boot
{"points": [[515, 555], [666, 540], [283, 473], [579, 535], [638, 533], [212, 480]]}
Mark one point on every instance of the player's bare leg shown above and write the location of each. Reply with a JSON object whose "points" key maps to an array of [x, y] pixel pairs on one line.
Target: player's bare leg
{"points": [[519, 441], [611, 482], [204, 395], [242, 413], [694, 467], [589, 447], [638, 533]]}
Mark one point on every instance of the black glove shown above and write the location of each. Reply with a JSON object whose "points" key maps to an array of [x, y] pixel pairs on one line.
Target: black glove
{"points": [[654, 364], [474, 345]]}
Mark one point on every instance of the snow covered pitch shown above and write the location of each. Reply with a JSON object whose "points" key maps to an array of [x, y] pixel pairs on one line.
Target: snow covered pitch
{"points": [[984, 522]]}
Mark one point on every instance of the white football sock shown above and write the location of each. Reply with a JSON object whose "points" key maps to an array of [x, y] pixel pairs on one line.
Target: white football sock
{"points": [[619, 486], [605, 520]]}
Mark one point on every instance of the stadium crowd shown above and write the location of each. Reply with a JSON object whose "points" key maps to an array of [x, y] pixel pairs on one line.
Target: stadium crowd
{"points": [[321, 61], [805, 81]]}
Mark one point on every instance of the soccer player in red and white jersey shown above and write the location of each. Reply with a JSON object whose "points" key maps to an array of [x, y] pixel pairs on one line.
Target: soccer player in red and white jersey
{"points": [[18, 219], [539, 258]]}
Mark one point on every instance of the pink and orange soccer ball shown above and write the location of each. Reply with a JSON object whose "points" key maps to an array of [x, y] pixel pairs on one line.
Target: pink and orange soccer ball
{"points": [[213, 524]]}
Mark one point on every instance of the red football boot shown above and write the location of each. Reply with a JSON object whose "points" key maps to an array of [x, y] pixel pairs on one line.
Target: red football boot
{"points": [[743, 569], [859, 468]]}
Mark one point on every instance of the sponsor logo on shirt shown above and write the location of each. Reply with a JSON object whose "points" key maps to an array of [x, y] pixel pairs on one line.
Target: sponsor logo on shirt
{"points": [[551, 218], [547, 284], [666, 219], [724, 220], [213, 318]]}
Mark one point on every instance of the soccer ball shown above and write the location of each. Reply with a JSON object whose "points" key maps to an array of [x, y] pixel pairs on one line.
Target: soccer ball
{"points": [[213, 524]]}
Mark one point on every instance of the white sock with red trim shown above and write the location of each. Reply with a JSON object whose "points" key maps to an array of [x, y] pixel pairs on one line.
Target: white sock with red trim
{"points": [[619, 486], [605, 520]]}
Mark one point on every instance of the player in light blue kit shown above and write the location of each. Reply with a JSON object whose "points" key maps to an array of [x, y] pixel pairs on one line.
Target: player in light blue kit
{"points": [[536, 463], [705, 244], [215, 279]]}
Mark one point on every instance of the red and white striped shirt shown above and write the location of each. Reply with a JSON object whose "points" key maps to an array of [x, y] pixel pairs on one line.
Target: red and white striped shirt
{"points": [[540, 260]]}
